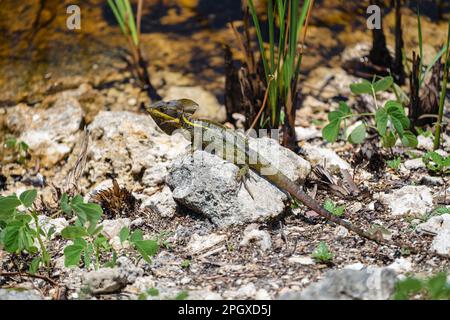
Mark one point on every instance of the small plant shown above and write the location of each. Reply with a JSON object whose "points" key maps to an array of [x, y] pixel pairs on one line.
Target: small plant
{"points": [[16, 233], [186, 263], [391, 121], [88, 243], [182, 295], [395, 163], [147, 248], [322, 253], [436, 163], [333, 208], [435, 288], [438, 211], [131, 29], [282, 61], [18, 149], [152, 292]]}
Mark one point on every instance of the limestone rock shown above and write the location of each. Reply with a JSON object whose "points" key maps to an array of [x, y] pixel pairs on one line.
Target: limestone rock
{"points": [[409, 199]]}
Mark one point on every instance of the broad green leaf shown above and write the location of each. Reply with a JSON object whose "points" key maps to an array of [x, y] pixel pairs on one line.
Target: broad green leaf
{"points": [[17, 237], [383, 84], [407, 287], [27, 197], [364, 87], [358, 135], [136, 236], [388, 139], [73, 232], [409, 139], [77, 199], [331, 131], [147, 248], [89, 211], [72, 255], [152, 292], [100, 240], [381, 119], [397, 116], [8, 204], [23, 146], [80, 242], [124, 233], [437, 286], [10, 143], [344, 108], [97, 230], [34, 265], [335, 115]]}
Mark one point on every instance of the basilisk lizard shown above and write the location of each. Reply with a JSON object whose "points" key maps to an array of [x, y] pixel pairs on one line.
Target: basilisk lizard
{"points": [[178, 114]]}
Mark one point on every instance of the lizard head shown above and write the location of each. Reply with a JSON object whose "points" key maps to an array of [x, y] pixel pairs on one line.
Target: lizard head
{"points": [[167, 114]]}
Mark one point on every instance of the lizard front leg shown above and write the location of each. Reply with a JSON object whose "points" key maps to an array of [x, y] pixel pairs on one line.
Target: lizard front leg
{"points": [[242, 176]]}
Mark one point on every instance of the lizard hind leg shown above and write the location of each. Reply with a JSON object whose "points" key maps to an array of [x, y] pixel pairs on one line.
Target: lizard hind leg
{"points": [[241, 177]]}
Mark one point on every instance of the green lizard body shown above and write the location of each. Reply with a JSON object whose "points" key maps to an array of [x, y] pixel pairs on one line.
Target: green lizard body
{"points": [[234, 147]]}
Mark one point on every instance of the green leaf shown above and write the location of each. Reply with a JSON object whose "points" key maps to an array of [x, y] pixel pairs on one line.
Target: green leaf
{"points": [[23, 146], [364, 87], [322, 253], [73, 232], [136, 236], [335, 115], [331, 207], [388, 140], [101, 240], [27, 197], [72, 255], [147, 248], [407, 287], [437, 286], [64, 203], [77, 200], [123, 235], [34, 265], [10, 143], [381, 119], [383, 84], [183, 295], [397, 116], [88, 211], [8, 204], [331, 131], [152, 292], [344, 108], [358, 135], [18, 237], [409, 139]]}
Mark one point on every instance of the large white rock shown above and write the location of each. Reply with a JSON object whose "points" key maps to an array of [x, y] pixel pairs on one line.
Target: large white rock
{"points": [[409, 199], [325, 157], [50, 133], [440, 227]]}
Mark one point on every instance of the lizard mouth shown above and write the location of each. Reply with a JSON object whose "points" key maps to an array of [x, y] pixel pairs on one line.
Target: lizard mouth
{"points": [[165, 122]]}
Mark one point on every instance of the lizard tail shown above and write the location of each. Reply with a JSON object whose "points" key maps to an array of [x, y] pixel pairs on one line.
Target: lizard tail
{"points": [[295, 190]]}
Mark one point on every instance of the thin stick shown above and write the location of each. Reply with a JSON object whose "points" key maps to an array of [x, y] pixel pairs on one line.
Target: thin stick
{"points": [[26, 274], [266, 94]]}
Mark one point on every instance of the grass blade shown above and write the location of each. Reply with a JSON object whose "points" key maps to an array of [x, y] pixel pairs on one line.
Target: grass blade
{"points": [[437, 135], [419, 29], [260, 39]]}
